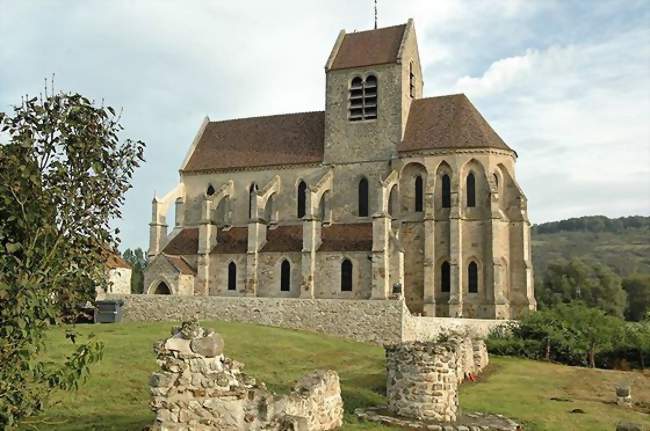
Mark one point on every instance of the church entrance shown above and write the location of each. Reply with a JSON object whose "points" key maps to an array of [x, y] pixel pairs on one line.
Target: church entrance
{"points": [[162, 289]]}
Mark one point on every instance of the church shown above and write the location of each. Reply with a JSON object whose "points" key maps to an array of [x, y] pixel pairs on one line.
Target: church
{"points": [[384, 192]]}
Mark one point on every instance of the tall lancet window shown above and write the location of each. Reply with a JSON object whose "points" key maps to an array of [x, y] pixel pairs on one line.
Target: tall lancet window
{"points": [[302, 199], [363, 98], [363, 197], [232, 276], [445, 277], [472, 278], [471, 190], [419, 194], [446, 191], [285, 276]]}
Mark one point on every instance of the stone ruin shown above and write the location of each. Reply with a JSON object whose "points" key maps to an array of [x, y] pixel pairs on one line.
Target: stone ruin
{"points": [[199, 389], [422, 385]]}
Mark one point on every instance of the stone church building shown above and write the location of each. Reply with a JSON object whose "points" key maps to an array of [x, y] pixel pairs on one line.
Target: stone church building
{"points": [[384, 187]]}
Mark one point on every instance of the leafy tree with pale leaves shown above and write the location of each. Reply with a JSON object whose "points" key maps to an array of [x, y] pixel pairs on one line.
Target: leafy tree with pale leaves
{"points": [[63, 176]]}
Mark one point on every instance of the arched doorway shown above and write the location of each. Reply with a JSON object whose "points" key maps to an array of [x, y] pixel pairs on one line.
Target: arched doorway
{"points": [[162, 289]]}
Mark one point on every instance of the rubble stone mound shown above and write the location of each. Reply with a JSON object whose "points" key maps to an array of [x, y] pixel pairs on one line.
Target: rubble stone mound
{"points": [[199, 389]]}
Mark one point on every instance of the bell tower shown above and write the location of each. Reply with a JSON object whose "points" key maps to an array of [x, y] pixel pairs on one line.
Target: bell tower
{"points": [[371, 78]]}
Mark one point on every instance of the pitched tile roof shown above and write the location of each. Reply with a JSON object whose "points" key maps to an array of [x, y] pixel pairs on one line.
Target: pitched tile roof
{"points": [[370, 47], [347, 237], [114, 261], [283, 239], [447, 122], [233, 240], [182, 265], [260, 141], [185, 242]]}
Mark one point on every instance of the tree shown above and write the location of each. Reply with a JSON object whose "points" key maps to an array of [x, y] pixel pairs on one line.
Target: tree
{"points": [[590, 329], [138, 262], [63, 177], [638, 296], [637, 338], [593, 283]]}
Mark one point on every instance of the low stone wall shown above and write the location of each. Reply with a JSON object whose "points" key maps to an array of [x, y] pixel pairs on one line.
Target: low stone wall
{"points": [[374, 321], [200, 389], [420, 328]]}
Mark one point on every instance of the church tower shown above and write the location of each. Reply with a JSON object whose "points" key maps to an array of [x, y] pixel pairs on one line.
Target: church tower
{"points": [[372, 77]]}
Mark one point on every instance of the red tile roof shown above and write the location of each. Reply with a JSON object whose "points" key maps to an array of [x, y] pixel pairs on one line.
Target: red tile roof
{"points": [[182, 265], [260, 141], [447, 122], [185, 242], [233, 240], [114, 260], [283, 239], [347, 237], [366, 48]]}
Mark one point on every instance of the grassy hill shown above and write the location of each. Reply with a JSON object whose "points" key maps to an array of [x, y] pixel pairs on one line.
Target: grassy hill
{"points": [[116, 396], [622, 243]]}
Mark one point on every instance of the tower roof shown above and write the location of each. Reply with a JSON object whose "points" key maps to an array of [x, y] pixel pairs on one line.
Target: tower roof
{"points": [[366, 48], [448, 122]]}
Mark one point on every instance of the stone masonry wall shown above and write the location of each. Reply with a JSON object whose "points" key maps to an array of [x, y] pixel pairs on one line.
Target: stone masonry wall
{"points": [[200, 389], [421, 381], [423, 377], [375, 321]]}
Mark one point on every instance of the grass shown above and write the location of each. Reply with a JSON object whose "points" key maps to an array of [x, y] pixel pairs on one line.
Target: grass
{"points": [[116, 396]]}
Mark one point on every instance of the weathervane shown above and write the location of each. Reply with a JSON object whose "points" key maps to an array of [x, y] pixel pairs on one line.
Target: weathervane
{"points": [[375, 14]]}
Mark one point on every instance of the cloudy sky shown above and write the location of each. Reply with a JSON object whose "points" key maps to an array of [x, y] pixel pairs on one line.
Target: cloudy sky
{"points": [[565, 83]]}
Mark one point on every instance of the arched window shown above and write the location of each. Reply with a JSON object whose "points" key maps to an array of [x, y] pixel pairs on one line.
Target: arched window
{"points": [[445, 277], [363, 197], [496, 180], [251, 194], [162, 289], [232, 276], [210, 190], [363, 98], [285, 276], [446, 191], [472, 278], [419, 194], [471, 190], [346, 276], [302, 199]]}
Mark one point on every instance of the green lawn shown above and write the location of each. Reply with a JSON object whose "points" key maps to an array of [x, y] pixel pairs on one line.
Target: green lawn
{"points": [[116, 395]]}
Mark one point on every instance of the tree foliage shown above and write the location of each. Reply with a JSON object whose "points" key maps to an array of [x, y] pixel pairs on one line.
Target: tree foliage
{"points": [[138, 260], [594, 283], [574, 334], [637, 288], [63, 175], [593, 224]]}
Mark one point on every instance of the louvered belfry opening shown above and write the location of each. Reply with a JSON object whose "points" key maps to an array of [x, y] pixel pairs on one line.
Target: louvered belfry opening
{"points": [[363, 98]]}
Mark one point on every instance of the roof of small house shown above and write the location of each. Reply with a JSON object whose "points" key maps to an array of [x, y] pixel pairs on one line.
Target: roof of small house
{"points": [[448, 122], [371, 47], [114, 261]]}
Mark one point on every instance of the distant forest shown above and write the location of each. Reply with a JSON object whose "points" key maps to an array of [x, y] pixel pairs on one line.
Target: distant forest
{"points": [[622, 243]]}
